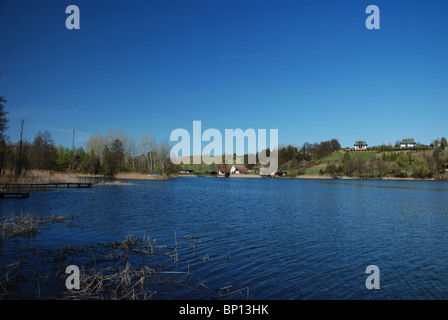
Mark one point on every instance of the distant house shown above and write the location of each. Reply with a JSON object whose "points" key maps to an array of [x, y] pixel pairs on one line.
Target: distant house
{"points": [[360, 145], [224, 170], [186, 170], [211, 172], [238, 169], [407, 143]]}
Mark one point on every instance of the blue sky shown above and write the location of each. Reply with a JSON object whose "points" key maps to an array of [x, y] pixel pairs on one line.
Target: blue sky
{"points": [[310, 69]]}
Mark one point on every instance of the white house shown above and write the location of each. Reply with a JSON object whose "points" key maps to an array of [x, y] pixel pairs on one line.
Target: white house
{"points": [[407, 143], [360, 145], [237, 169]]}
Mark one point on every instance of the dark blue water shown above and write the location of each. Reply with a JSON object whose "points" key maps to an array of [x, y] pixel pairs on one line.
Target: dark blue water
{"points": [[281, 238]]}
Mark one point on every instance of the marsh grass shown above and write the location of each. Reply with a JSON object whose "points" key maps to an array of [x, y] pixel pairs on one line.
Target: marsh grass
{"points": [[42, 176], [141, 176], [114, 183], [26, 226], [137, 268]]}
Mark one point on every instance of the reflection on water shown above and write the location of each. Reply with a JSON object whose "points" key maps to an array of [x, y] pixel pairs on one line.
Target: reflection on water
{"points": [[414, 185], [282, 238]]}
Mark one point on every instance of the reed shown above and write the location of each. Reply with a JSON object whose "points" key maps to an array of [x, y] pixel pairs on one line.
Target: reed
{"points": [[227, 291], [25, 226], [41, 176], [141, 176], [130, 282], [128, 269], [114, 183]]}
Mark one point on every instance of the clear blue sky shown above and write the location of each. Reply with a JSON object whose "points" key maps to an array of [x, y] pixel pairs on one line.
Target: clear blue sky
{"points": [[310, 69]]}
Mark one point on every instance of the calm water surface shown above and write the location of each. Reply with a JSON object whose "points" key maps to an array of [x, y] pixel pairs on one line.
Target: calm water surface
{"points": [[281, 238]]}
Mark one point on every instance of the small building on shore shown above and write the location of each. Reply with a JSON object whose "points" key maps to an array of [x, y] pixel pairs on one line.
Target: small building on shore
{"points": [[407, 143], [238, 169], [360, 145], [224, 170], [211, 172]]}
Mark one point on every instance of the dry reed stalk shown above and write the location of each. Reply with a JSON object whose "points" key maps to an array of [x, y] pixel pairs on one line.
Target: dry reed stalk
{"points": [[226, 291], [176, 256], [119, 285], [206, 258], [109, 270]]}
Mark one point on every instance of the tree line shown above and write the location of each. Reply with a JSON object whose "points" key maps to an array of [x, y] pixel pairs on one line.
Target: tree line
{"points": [[115, 151]]}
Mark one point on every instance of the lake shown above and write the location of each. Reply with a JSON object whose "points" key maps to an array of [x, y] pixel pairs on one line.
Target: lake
{"points": [[264, 238]]}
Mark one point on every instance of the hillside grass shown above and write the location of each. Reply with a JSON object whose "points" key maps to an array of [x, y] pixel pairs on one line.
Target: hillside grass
{"points": [[367, 156]]}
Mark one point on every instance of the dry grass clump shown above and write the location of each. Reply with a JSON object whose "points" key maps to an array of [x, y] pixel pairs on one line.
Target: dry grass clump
{"points": [[114, 183], [132, 268], [41, 176], [107, 283], [10, 280], [26, 226], [126, 280], [140, 176]]}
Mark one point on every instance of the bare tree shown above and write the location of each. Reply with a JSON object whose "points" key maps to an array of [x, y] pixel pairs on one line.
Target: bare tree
{"points": [[96, 143], [163, 154], [149, 147]]}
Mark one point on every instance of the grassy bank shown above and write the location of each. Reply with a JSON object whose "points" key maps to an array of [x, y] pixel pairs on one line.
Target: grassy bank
{"points": [[391, 165], [41, 176], [141, 176]]}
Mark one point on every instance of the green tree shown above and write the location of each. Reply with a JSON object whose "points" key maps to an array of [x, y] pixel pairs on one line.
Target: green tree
{"points": [[438, 162], [403, 161], [63, 158], [43, 152], [443, 143], [347, 164], [401, 166], [420, 168], [113, 157], [91, 164]]}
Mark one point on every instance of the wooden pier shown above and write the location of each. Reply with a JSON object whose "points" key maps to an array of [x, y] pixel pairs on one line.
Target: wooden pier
{"points": [[11, 194], [47, 185], [22, 190]]}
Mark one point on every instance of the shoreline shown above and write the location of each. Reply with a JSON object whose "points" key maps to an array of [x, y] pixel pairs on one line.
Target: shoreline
{"points": [[353, 178], [313, 177], [44, 177]]}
